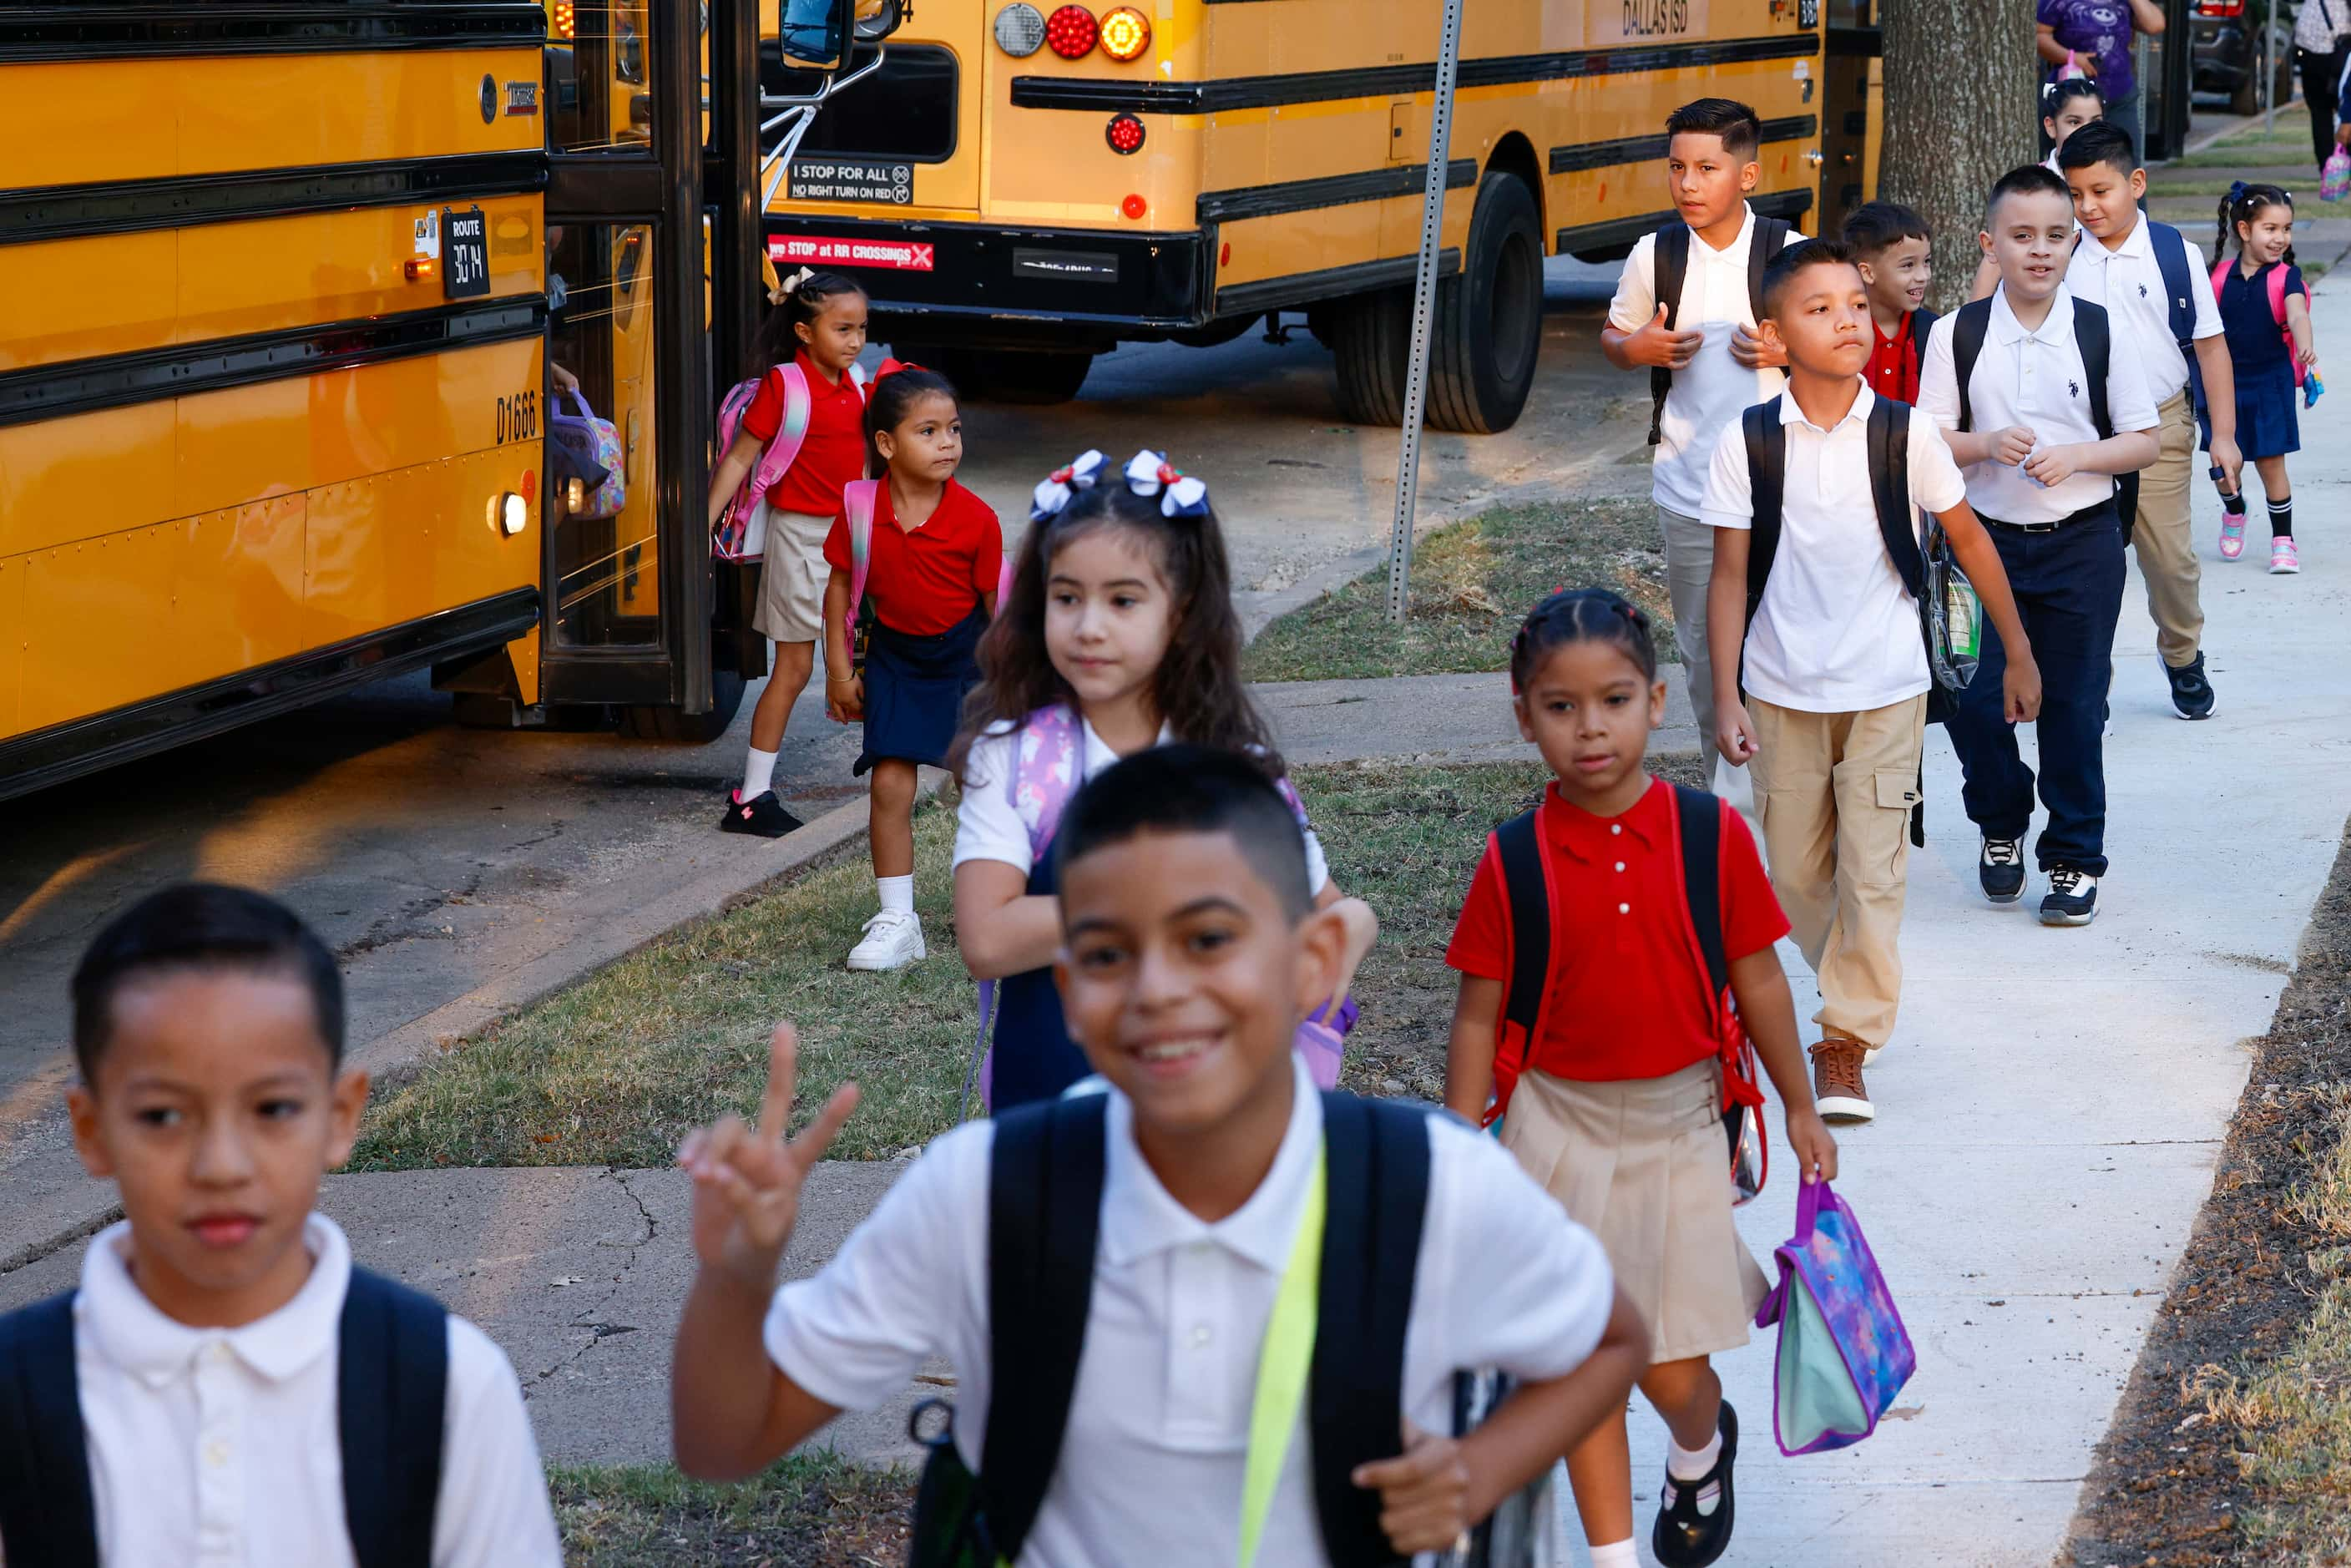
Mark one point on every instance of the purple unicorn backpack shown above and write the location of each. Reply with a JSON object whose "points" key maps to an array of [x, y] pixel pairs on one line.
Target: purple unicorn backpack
{"points": [[1049, 761], [1843, 1354]]}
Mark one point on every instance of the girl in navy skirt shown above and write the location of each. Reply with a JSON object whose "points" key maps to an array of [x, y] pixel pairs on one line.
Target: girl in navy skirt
{"points": [[2265, 313], [923, 555]]}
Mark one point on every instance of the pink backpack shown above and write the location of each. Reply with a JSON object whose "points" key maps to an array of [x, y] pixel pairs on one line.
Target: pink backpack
{"points": [[742, 532], [2277, 308], [857, 504]]}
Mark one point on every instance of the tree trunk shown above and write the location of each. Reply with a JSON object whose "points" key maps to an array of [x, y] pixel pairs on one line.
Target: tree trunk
{"points": [[1962, 85]]}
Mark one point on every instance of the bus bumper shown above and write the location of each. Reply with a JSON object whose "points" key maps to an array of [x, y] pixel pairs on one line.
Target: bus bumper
{"points": [[984, 285]]}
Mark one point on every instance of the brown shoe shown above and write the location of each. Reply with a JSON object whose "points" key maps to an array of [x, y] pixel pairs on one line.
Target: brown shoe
{"points": [[1838, 1092]]}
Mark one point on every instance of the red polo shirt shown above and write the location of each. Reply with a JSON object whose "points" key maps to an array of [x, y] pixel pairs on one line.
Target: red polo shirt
{"points": [[834, 451], [1894, 361], [1628, 990], [924, 580]]}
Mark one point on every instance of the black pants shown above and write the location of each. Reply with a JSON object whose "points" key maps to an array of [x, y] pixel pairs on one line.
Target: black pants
{"points": [[2320, 73]]}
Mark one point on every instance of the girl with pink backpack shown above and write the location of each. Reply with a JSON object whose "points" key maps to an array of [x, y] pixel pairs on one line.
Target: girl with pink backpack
{"points": [[792, 438], [1116, 633], [2265, 315], [927, 556]]}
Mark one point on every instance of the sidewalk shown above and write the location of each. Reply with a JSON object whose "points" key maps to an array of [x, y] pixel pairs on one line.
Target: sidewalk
{"points": [[2051, 1108]]}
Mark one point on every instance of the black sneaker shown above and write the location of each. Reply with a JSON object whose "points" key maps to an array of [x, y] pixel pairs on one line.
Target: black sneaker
{"points": [[762, 817], [2072, 897], [2001, 869], [1689, 1535], [2191, 693]]}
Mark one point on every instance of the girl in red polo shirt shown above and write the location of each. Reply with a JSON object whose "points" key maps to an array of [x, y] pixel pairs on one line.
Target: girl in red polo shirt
{"points": [[933, 556], [817, 324], [1617, 1106]]}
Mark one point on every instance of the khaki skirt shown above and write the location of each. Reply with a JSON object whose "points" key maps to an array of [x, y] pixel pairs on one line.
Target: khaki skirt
{"points": [[792, 578], [1642, 1163]]}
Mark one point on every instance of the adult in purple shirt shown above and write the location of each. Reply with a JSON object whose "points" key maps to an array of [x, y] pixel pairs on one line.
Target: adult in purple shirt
{"points": [[2096, 36]]}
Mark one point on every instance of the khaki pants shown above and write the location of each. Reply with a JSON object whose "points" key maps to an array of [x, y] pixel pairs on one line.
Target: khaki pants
{"points": [[1689, 568], [1835, 790], [2165, 542]]}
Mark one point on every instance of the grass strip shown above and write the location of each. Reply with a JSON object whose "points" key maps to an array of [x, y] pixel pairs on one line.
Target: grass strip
{"points": [[813, 1509], [1472, 584], [615, 1068]]}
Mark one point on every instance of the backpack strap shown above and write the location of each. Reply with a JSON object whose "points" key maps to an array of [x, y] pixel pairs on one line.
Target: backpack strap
{"points": [[391, 1399], [1048, 765], [1969, 326], [47, 1512], [1767, 483], [858, 500], [777, 457], [1670, 264], [1889, 483], [2219, 277], [1699, 823], [2092, 336], [2277, 293], [2179, 302], [1526, 893], [1771, 237], [1044, 1216], [1376, 1154]]}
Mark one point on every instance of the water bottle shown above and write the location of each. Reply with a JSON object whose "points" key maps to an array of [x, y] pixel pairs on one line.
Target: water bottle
{"points": [[2311, 390]]}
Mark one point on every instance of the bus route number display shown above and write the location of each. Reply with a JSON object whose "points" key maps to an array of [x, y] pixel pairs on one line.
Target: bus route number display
{"points": [[464, 254], [838, 180]]}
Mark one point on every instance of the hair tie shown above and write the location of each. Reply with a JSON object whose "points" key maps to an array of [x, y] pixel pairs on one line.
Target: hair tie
{"points": [[891, 368], [789, 286], [2236, 192], [1062, 483], [1181, 495]]}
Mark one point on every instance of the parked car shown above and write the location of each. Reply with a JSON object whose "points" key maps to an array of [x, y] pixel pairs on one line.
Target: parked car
{"points": [[2225, 52]]}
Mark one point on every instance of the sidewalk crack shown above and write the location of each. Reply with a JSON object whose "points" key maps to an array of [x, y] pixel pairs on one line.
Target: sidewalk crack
{"points": [[591, 1318]]}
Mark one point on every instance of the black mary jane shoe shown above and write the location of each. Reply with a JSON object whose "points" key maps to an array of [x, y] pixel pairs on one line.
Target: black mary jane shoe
{"points": [[1684, 1538]]}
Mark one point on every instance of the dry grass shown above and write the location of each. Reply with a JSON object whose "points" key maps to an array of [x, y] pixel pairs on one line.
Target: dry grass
{"points": [[810, 1510]]}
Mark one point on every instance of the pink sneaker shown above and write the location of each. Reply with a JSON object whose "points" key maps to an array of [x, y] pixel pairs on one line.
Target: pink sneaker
{"points": [[2285, 560], [2232, 535]]}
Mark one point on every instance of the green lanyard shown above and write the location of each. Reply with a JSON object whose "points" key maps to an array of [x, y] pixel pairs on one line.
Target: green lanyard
{"points": [[1283, 1364]]}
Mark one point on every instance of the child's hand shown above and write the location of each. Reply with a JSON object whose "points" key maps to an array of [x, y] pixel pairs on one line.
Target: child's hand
{"points": [[2020, 690], [1758, 352], [2011, 446], [844, 701], [2225, 455], [2054, 464], [1659, 346], [1424, 1493], [746, 1183], [1815, 1151], [1734, 732]]}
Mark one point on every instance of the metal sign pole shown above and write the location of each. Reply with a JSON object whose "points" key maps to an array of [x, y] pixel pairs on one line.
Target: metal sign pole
{"points": [[2269, 70], [1424, 310]]}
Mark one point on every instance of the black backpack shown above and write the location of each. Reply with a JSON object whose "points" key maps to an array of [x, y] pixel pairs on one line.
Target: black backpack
{"points": [[1671, 261], [1044, 1210], [392, 1388], [2092, 336]]}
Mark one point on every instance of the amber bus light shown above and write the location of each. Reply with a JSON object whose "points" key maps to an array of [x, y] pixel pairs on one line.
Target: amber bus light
{"points": [[1125, 33]]}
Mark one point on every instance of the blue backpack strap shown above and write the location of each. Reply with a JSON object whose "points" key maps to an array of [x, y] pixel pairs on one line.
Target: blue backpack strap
{"points": [[391, 1397], [1378, 1160], [1044, 1215], [47, 1512], [2179, 283], [1669, 268], [1969, 325]]}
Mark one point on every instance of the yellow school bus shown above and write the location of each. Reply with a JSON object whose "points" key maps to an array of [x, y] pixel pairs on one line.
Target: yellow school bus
{"points": [[1027, 185], [290, 288]]}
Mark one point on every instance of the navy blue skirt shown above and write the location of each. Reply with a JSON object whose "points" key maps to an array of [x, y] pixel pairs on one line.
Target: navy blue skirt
{"points": [[2268, 423], [915, 688]]}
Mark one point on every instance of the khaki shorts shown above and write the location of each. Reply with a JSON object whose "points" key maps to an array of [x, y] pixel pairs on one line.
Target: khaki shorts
{"points": [[791, 582]]}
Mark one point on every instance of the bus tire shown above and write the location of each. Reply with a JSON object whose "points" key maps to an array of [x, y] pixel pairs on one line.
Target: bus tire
{"points": [[1021, 376], [663, 723], [1370, 334], [1489, 326]]}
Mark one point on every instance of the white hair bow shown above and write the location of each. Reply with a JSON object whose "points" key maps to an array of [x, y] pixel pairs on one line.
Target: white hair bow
{"points": [[1181, 495], [1060, 484], [789, 286]]}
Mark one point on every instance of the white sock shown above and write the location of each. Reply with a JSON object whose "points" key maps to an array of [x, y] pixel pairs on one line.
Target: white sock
{"points": [[898, 893], [1616, 1554], [758, 774], [1691, 1464]]}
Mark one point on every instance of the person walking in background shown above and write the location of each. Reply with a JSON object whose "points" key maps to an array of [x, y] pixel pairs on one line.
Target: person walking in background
{"points": [[2095, 35], [2265, 311], [2322, 41]]}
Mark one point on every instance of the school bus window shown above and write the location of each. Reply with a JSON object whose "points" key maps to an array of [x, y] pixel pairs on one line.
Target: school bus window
{"points": [[914, 121], [598, 80], [604, 552]]}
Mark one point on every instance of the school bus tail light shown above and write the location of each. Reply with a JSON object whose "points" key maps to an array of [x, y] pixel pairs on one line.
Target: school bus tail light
{"points": [[1125, 134], [1125, 34], [1072, 32], [1020, 30], [566, 22], [1134, 206]]}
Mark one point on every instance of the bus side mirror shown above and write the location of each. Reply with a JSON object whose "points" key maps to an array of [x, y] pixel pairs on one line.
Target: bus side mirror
{"points": [[877, 19], [822, 33]]}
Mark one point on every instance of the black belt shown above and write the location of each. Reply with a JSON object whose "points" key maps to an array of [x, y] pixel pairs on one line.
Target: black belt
{"points": [[2088, 514]]}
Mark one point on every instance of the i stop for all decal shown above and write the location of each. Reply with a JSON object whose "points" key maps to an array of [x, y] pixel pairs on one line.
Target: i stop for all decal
{"points": [[893, 255]]}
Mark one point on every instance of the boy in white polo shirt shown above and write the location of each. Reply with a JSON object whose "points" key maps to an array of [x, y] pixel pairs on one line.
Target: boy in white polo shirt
{"points": [[226, 1387], [1824, 597], [1159, 1264], [2039, 437], [2158, 292], [1697, 339]]}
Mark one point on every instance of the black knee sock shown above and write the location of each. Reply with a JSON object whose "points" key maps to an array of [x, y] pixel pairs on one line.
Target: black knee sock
{"points": [[2282, 518]]}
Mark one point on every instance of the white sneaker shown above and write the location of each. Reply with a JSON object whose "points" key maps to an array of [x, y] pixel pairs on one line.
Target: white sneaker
{"points": [[893, 939]]}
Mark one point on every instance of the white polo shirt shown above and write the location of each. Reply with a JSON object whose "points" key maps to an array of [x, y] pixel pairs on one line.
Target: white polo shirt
{"points": [[219, 1447], [1712, 389], [1836, 632], [2128, 281], [988, 826], [2034, 380], [1158, 1429]]}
